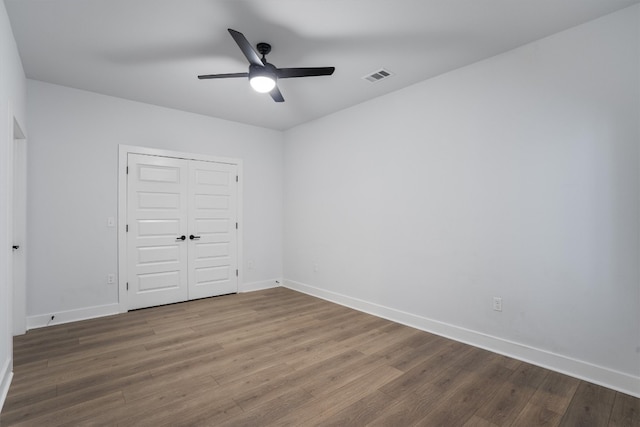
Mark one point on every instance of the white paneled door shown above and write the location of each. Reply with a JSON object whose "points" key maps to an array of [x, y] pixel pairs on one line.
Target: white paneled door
{"points": [[181, 238], [212, 229]]}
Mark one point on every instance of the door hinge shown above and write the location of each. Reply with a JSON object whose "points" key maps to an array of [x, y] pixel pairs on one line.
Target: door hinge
{"points": [[236, 178], [127, 285], [127, 228], [236, 273], [236, 225], [127, 170]]}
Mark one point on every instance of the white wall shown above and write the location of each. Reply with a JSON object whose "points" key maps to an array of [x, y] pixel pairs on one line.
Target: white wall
{"points": [[73, 154], [514, 177], [12, 106]]}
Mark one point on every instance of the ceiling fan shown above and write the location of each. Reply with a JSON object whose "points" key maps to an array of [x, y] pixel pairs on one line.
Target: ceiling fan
{"points": [[262, 75]]}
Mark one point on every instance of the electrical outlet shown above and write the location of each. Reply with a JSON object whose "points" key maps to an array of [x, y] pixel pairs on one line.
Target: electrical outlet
{"points": [[497, 304], [111, 279]]}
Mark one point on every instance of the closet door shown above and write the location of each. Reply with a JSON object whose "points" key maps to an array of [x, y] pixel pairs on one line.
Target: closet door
{"points": [[212, 239], [157, 237]]}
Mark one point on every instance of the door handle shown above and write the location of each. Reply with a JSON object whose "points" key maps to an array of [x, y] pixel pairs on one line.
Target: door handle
{"points": [[16, 247], [183, 237], [192, 237]]}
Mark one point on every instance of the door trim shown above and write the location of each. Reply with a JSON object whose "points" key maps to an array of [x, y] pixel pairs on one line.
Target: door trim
{"points": [[123, 152]]}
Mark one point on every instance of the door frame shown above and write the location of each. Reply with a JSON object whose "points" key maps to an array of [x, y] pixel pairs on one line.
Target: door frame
{"points": [[123, 153]]}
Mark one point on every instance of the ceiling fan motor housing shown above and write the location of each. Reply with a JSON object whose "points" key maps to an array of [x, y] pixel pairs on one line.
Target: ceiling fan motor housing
{"points": [[268, 70]]}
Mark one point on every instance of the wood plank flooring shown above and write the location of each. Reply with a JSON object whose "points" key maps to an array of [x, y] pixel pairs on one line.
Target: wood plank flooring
{"points": [[278, 357]]}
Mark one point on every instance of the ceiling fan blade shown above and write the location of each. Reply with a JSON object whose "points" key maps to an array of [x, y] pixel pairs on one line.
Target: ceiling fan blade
{"points": [[244, 45], [285, 73], [276, 95], [222, 76]]}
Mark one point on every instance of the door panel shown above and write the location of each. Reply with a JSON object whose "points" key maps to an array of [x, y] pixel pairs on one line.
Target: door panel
{"points": [[213, 259], [157, 216], [212, 226], [158, 227], [148, 200]]}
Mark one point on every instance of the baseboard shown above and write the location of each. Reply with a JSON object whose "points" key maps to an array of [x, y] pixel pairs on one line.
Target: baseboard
{"points": [[606, 377], [60, 317], [258, 286], [5, 381]]}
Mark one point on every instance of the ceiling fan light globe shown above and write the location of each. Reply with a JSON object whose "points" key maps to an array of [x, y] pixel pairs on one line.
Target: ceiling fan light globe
{"points": [[262, 84]]}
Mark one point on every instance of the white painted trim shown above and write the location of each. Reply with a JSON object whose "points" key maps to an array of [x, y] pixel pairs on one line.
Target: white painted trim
{"points": [[149, 151], [123, 152], [600, 375], [121, 223], [240, 233], [44, 320], [260, 285], [6, 375]]}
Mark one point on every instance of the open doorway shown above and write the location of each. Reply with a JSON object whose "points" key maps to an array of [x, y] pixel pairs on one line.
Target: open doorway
{"points": [[18, 224]]}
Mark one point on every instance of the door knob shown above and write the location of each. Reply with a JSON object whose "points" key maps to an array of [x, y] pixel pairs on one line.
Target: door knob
{"points": [[192, 237], [183, 237], [15, 247]]}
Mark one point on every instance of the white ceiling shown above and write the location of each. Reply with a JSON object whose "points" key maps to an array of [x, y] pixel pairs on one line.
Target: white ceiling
{"points": [[152, 50]]}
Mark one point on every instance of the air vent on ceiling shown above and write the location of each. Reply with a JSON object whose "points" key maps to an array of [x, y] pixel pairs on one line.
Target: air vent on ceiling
{"points": [[379, 75]]}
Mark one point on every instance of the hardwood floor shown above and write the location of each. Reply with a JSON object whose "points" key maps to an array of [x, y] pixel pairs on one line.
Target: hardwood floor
{"points": [[278, 357]]}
